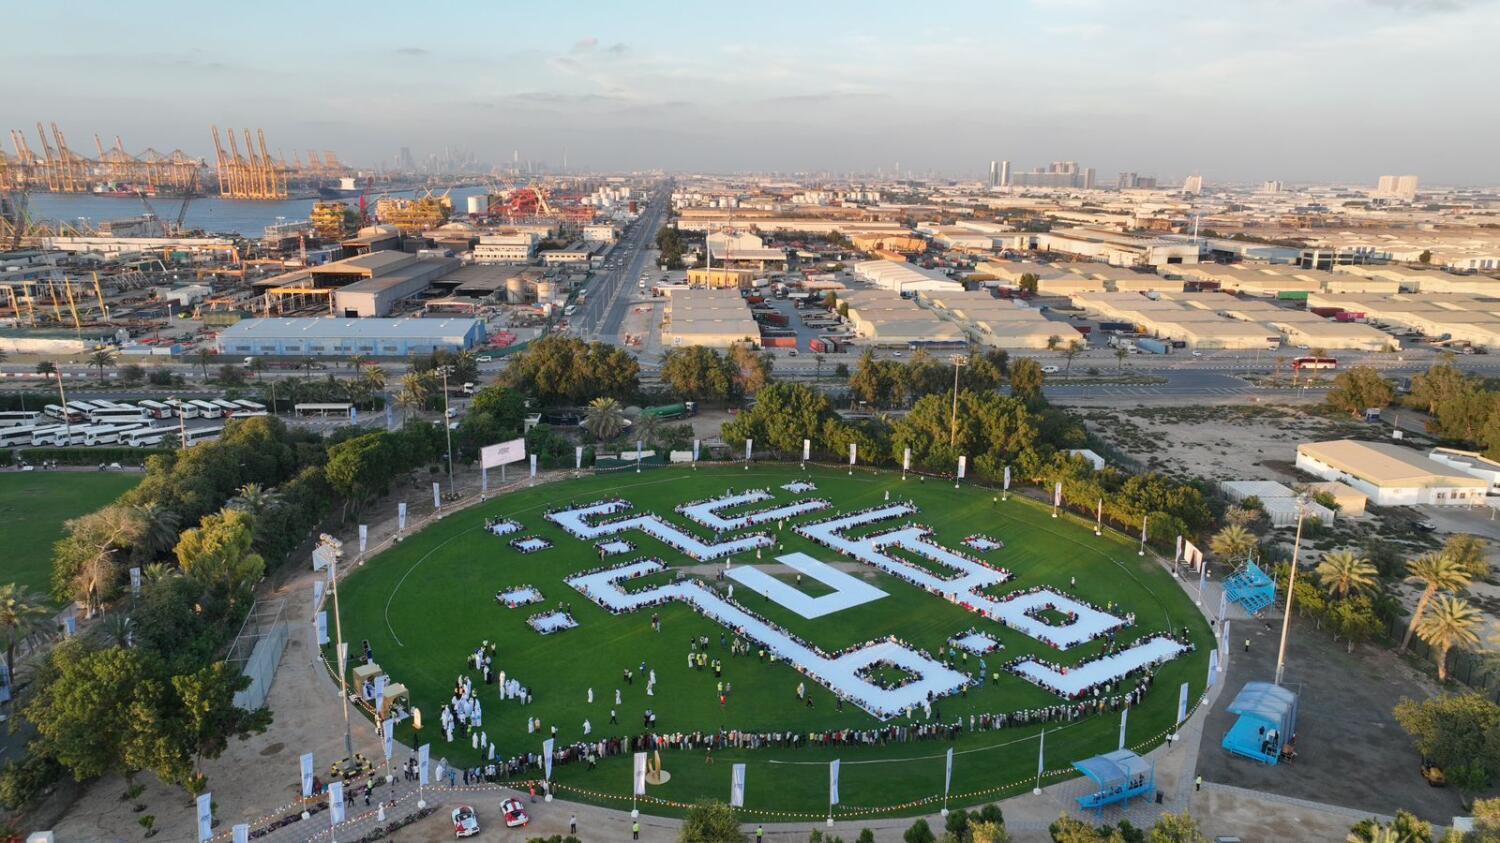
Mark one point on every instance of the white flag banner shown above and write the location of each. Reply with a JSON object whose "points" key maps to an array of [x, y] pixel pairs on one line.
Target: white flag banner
{"points": [[318, 588], [1223, 605], [963, 463], [737, 786], [578, 456], [1144, 520], [424, 764], [1178, 553], [1057, 494], [1124, 718], [547, 759], [640, 449], [533, 465], [335, 803], [320, 624], [135, 581], [806, 450], [833, 782], [484, 479], [1224, 642], [307, 774], [1099, 513], [1202, 575], [390, 739], [1007, 478], [205, 816], [948, 774], [379, 691], [242, 833], [748, 443], [343, 657], [437, 495], [401, 515], [906, 460], [364, 537], [853, 452], [1213, 667], [1182, 695], [1041, 754], [638, 775]]}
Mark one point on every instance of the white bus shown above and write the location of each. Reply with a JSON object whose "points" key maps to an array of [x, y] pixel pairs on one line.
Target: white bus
{"points": [[186, 409], [203, 434], [206, 409], [60, 437], [157, 409], [246, 409], [108, 434], [82, 408], [227, 407], [147, 437], [342, 409], [11, 437], [18, 418], [118, 415]]}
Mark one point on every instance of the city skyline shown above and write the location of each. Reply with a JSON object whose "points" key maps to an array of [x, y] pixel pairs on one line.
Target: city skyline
{"points": [[1332, 91]]}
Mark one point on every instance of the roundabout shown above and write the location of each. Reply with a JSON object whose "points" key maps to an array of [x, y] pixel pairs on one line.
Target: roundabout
{"points": [[781, 619]]}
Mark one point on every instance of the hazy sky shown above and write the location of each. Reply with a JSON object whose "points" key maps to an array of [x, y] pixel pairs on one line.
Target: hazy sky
{"points": [[1233, 89]]}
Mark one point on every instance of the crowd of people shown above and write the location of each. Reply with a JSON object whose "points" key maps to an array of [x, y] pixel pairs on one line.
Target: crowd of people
{"points": [[530, 544], [705, 511], [501, 526], [614, 547], [1107, 684], [574, 521], [555, 620], [517, 596], [983, 543]]}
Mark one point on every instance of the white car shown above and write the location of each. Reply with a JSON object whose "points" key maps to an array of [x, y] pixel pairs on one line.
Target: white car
{"points": [[1197, 354], [1050, 370], [514, 813], [485, 358], [465, 822]]}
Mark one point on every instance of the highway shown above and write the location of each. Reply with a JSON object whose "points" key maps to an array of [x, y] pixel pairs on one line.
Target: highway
{"points": [[609, 295]]}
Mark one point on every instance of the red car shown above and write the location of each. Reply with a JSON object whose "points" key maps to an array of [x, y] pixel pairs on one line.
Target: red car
{"points": [[514, 813]]}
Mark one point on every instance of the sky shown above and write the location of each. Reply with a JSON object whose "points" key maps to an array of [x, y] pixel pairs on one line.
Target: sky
{"points": [[1234, 90]]}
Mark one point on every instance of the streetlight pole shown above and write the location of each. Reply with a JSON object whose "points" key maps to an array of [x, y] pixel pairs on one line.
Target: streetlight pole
{"points": [[181, 422], [63, 398], [338, 631], [953, 423], [447, 426], [1291, 582]]}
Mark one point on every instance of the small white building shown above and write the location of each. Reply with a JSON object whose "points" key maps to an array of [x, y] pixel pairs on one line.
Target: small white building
{"points": [[513, 248], [1391, 475], [1471, 463]]}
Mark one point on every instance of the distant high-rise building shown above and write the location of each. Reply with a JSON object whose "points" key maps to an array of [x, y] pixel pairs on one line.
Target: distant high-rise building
{"points": [[1057, 174], [1397, 187], [404, 162], [1271, 187], [1088, 179], [1192, 184], [1004, 173], [1135, 181], [994, 179]]}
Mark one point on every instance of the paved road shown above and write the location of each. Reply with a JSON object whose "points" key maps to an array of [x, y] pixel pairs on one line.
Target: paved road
{"points": [[609, 294]]}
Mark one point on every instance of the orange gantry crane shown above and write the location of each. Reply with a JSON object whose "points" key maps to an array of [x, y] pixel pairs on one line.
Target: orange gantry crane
{"points": [[254, 175]]}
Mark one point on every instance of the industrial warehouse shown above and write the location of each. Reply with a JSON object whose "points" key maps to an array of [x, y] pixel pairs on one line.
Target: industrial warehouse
{"points": [[372, 337]]}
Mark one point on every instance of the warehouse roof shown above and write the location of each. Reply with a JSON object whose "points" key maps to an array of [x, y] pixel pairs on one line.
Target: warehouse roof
{"points": [[326, 328], [1385, 465]]}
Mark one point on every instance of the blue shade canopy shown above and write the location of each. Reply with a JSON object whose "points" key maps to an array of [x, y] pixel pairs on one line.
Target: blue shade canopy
{"points": [[1114, 769]]}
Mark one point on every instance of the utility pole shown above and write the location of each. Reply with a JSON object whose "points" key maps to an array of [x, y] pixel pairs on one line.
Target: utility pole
{"points": [[63, 398], [1291, 582], [958, 361], [338, 631], [447, 425]]}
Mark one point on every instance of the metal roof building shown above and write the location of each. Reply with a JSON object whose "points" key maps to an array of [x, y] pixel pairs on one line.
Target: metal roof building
{"points": [[328, 337], [1390, 474]]}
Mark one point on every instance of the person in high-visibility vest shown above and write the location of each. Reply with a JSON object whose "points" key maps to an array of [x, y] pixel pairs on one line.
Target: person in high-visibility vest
{"points": [[635, 830]]}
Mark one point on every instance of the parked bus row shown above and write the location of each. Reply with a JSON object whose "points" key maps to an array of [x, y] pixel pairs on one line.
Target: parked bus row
{"points": [[103, 411]]}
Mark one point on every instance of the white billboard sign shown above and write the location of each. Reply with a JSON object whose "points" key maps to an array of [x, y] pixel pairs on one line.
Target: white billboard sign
{"points": [[503, 453]]}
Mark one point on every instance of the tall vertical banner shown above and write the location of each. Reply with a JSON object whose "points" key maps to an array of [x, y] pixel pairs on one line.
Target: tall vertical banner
{"points": [[1007, 478], [390, 416], [424, 764], [533, 466], [318, 588], [437, 495], [748, 444], [638, 775], [1177, 556], [1224, 643], [906, 460], [343, 649], [1057, 494], [948, 775], [963, 463], [853, 453], [390, 739], [1124, 718], [547, 759], [737, 786], [806, 450], [241, 833], [1144, 520], [364, 537], [135, 581], [1041, 755], [335, 803], [320, 624], [1213, 667], [833, 783], [484, 479], [697, 447], [1182, 695], [578, 457], [70, 625], [401, 516], [1223, 606], [205, 816], [307, 774], [379, 692]]}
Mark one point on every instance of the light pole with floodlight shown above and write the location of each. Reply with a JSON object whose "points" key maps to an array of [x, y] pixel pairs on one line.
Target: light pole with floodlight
{"points": [[1291, 582]]}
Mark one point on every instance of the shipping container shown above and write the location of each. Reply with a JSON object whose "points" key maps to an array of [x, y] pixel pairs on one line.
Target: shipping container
{"points": [[755, 299], [1116, 326], [1348, 316], [789, 341], [773, 318], [1292, 295], [1326, 312]]}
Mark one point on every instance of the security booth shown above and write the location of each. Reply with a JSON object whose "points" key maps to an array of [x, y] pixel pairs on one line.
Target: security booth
{"points": [[1267, 722]]}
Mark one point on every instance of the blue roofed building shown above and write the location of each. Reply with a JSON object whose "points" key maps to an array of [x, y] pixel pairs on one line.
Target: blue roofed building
{"points": [[330, 337]]}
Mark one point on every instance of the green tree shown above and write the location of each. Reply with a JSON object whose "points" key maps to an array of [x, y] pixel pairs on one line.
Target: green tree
{"points": [[1467, 551], [1028, 283], [1460, 733], [1358, 389], [360, 469], [81, 706], [206, 716], [1405, 828], [1354, 620], [697, 373], [204, 356], [784, 414], [1120, 355], [1071, 351], [1450, 623], [992, 430], [1343, 573], [1233, 544], [217, 554], [1176, 828], [46, 367], [981, 831], [22, 614], [562, 370], [919, 832], [751, 369], [1053, 342], [1434, 572], [85, 562], [1026, 379], [710, 822], [1069, 830], [605, 419], [231, 375], [101, 359], [132, 373]]}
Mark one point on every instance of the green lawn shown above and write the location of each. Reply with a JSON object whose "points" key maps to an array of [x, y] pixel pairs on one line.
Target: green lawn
{"points": [[426, 603], [33, 507]]}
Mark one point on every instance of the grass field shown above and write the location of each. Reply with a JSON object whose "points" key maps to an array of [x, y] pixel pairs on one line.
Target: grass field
{"points": [[33, 507], [428, 602]]}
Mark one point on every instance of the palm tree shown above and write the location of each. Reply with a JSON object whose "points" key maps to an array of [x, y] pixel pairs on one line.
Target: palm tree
{"points": [[1343, 573], [374, 377], [203, 357], [46, 367], [158, 572], [120, 630], [1053, 342], [256, 365], [1073, 350], [647, 429], [1120, 355], [21, 614], [252, 498], [357, 361], [1233, 543], [1435, 572], [1450, 624], [101, 359], [413, 393], [160, 528], [604, 419]]}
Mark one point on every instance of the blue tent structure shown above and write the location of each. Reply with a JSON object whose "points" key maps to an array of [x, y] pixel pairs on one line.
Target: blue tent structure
{"points": [[1121, 776], [1267, 722], [1250, 587]]}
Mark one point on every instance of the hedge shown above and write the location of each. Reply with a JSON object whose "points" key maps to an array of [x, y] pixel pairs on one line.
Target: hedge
{"points": [[90, 456]]}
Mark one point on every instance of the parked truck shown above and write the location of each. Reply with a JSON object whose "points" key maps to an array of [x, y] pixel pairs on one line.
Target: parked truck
{"points": [[1153, 346], [667, 412]]}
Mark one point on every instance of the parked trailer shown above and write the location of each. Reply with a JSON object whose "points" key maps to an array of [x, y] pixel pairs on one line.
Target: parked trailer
{"points": [[1153, 346]]}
